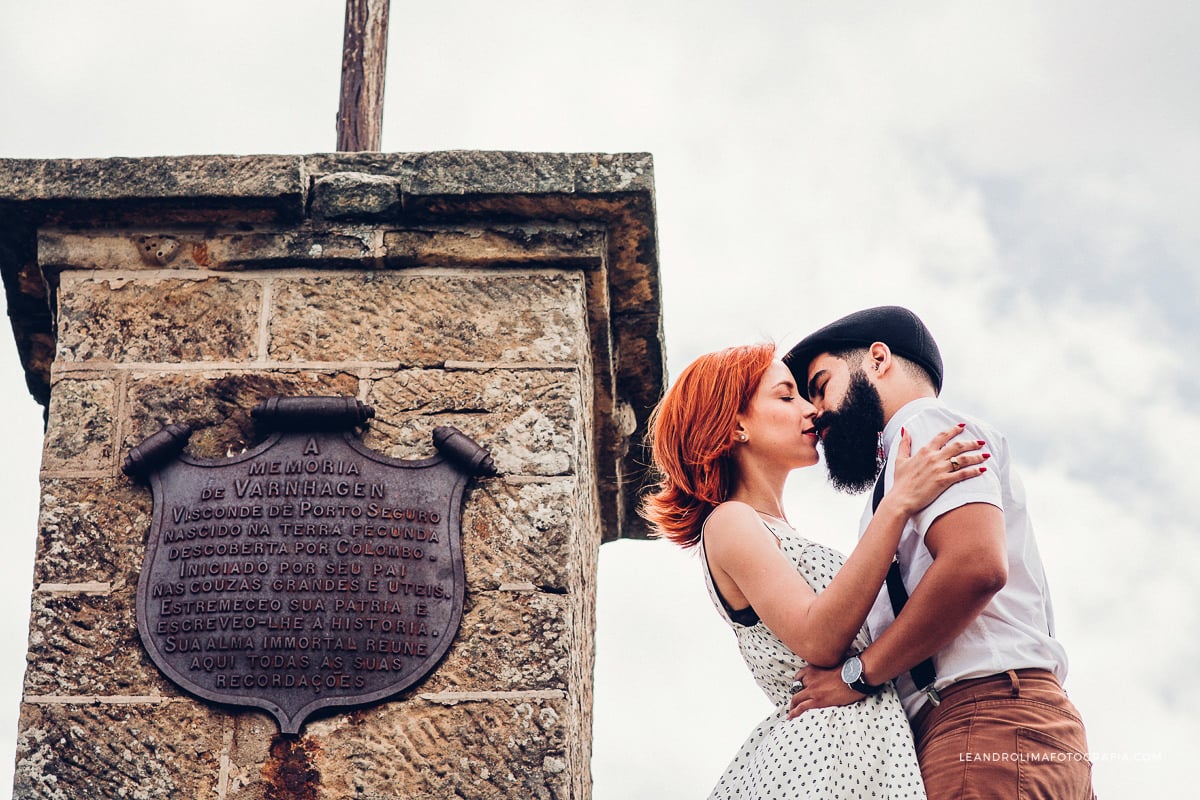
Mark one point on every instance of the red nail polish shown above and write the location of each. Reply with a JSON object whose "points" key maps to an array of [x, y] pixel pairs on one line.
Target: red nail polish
{"points": [[962, 424], [986, 456], [982, 470], [902, 431], [980, 442]]}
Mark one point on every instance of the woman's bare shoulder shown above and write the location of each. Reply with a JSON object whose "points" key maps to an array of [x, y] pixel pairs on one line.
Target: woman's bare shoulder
{"points": [[731, 513], [730, 522]]}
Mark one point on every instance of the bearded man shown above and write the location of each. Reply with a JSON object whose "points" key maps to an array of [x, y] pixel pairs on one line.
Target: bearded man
{"points": [[964, 626]]}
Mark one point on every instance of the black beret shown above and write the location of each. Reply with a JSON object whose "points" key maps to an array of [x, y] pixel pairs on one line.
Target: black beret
{"points": [[898, 328]]}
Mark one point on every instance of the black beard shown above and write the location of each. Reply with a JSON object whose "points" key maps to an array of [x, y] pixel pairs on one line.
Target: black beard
{"points": [[851, 436]]}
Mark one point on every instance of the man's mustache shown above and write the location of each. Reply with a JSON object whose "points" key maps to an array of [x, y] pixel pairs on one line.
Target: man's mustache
{"points": [[825, 422]]}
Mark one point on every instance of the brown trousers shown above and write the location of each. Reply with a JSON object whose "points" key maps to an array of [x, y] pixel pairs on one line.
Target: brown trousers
{"points": [[1012, 736]]}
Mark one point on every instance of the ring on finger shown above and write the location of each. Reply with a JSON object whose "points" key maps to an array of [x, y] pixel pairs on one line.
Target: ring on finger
{"points": [[797, 685], [954, 465]]}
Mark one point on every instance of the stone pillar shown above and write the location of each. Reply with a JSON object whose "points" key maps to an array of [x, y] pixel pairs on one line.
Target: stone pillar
{"points": [[514, 296]]}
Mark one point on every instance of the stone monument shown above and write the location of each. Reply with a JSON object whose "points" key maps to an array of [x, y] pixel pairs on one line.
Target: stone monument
{"points": [[509, 298]]}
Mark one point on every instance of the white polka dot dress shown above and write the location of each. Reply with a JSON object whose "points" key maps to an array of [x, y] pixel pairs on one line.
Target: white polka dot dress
{"points": [[863, 750]]}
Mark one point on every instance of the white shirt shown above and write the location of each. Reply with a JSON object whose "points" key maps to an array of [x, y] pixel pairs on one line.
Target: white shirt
{"points": [[1016, 629]]}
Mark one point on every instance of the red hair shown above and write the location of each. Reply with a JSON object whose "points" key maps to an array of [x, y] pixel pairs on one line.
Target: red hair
{"points": [[691, 436]]}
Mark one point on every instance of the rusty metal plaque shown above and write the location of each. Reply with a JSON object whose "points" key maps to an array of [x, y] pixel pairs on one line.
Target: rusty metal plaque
{"points": [[308, 572]]}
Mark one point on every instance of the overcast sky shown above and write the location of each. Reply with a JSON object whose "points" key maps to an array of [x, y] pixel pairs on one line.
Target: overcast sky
{"points": [[1022, 174]]}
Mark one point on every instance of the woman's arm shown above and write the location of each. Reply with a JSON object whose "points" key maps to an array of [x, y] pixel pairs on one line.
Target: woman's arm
{"points": [[819, 627], [969, 566], [839, 611]]}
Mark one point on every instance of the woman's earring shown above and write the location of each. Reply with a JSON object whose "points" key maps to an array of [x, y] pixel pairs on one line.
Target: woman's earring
{"points": [[742, 437]]}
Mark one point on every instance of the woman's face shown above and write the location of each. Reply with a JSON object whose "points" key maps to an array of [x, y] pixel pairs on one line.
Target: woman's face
{"points": [[779, 422]]}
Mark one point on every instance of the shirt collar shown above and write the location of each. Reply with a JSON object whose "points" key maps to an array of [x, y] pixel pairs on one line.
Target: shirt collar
{"points": [[906, 412]]}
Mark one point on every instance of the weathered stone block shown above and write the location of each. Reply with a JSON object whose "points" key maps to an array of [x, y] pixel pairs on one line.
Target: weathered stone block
{"points": [[354, 194], [261, 248], [103, 751], [183, 248], [89, 645], [494, 749], [262, 180], [81, 424], [509, 641], [521, 533], [149, 320], [466, 172], [217, 405], [559, 245], [91, 530], [530, 420], [428, 319]]}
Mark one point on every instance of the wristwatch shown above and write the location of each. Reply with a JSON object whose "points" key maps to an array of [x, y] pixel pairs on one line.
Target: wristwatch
{"points": [[852, 674]]}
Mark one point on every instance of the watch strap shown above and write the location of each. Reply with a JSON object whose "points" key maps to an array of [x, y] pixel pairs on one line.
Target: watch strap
{"points": [[865, 688]]}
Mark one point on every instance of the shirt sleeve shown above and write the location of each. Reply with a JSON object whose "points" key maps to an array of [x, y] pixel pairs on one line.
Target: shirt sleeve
{"points": [[986, 488]]}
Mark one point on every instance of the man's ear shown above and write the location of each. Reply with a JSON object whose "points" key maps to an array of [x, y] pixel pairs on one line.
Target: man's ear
{"points": [[880, 357]]}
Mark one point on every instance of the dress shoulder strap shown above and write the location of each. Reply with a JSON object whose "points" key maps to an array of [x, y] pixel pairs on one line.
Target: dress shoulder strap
{"points": [[744, 617]]}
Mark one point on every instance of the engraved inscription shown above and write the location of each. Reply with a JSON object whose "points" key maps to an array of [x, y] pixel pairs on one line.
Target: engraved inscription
{"points": [[310, 572]]}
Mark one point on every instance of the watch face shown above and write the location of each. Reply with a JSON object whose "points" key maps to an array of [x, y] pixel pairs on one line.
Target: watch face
{"points": [[852, 669]]}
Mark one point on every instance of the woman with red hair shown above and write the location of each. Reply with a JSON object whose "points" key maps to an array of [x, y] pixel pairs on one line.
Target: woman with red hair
{"points": [[724, 439]]}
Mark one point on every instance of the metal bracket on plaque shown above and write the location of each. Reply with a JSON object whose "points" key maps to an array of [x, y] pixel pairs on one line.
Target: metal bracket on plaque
{"points": [[308, 572]]}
